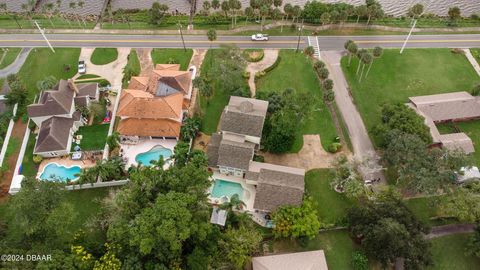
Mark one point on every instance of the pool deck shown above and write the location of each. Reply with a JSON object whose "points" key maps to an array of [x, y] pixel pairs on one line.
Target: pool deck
{"points": [[248, 191], [130, 151], [67, 162]]}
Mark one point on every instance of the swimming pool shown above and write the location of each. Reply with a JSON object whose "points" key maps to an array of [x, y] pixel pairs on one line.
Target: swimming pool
{"points": [[226, 188], [55, 172], [153, 154]]}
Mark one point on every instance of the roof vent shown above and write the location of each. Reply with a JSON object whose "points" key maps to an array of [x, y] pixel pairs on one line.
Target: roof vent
{"points": [[245, 107]]}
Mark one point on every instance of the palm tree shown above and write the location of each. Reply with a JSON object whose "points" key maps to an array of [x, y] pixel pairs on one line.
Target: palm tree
{"points": [[288, 10], [366, 59], [296, 12], [212, 36], [206, 6], [360, 54], [264, 10], [80, 5], [233, 204], [377, 53], [352, 49], [249, 12], [215, 4], [225, 8]]}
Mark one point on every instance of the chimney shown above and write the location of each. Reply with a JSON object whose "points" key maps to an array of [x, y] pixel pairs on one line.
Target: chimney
{"points": [[72, 86]]}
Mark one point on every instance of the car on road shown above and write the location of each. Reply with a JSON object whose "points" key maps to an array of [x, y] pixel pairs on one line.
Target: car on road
{"points": [[260, 37], [82, 67]]}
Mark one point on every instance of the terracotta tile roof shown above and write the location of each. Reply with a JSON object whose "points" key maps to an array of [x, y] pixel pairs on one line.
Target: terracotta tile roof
{"points": [[141, 104], [167, 66], [138, 83], [149, 127], [179, 80]]}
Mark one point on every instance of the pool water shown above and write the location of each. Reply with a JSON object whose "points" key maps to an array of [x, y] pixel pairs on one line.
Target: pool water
{"points": [[153, 154], [54, 172], [226, 188]]}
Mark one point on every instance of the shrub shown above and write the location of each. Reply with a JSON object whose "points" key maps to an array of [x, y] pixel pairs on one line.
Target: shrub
{"points": [[334, 147], [253, 55], [329, 96], [37, 159], [246, 75], [318, 65], [258, 158], [309, 51], [323, 73], [359, 261], [328, 84], [476, 90]]}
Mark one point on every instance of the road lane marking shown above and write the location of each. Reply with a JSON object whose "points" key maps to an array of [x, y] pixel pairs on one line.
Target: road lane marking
{"points": [[417, 41], [150, 41]]}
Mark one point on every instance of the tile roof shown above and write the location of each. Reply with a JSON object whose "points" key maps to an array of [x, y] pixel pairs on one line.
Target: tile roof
{"points": [[179, 80], [138, 83], [247, 111], [87, 89], [53, 102], [309, 260], [54, 134], [212, 149], [149, 127], [141, 104], [235, 154]]}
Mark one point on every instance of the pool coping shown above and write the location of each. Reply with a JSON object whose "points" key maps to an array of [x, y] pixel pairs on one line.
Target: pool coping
{"points": [[246, 187], [167, 161], [58, 165]]}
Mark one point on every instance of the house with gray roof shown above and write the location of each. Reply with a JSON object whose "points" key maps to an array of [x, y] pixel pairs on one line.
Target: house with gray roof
{"points": [[449, 107], [56, 116], [308, 260]]}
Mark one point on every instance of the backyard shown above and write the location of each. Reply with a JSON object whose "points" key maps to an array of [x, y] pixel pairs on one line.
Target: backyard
{"points": [[93, 137], [8, 55], [103, 56], [295, 71], [42, 62], [331, 206], [471, 128], [449, 253], [395, 77], [172, 56]]}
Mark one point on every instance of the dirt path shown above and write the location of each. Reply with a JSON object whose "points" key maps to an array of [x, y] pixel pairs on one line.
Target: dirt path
{"points": [[311, 156], [270, 56], [445, 230], [145, 58], [18, 132], [197, 60]]}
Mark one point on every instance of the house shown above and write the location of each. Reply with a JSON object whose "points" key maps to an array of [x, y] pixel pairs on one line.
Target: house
{"points": [[449, 107], [154, 106], [56, 116], [231, 150], [309, 260], [3, 99]]}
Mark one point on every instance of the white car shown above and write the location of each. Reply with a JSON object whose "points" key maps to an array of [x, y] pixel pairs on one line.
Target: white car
{"points": [[259, 37], [82, 67]]}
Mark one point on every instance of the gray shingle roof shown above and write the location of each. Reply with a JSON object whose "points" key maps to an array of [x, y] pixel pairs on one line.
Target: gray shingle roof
{"points": [[278, 188], [53, 102], [309, 260], [244, 116], [212, 149], [235, 154], [87, 89], [54, 134]]}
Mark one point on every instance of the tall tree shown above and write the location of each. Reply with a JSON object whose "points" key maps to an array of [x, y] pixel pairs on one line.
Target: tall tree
{"points": [[239, 244], [297, 221], [225, 6], [352, 49], [215, 4], [367, 59], [415, 11], [157, 13], [454, 13], [377, 53], [212, 36]]}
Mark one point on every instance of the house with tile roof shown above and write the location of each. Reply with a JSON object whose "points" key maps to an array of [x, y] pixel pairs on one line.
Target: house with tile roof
{"points": [[449, 107], [56, 116], [154, 106]]}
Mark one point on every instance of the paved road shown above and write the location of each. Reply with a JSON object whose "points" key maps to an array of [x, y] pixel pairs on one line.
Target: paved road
{"points": [[16, 65], [201, 42]]}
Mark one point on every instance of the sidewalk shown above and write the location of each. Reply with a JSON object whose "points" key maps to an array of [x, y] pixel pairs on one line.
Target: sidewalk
{"points": [[472, 60], [17, 64]]}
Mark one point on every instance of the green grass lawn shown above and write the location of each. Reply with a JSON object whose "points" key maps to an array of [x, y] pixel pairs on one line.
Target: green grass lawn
{"points": [[331, 206], [86, 203], [427, 209], [94, 137], [177, 56], [103, 56], [10, 56], [87, 76], [212, 110], [42, 62], [296, 71], [449, 253], [337, 245], [132, 63], [395, 77], [476, 53], [29, 168]]}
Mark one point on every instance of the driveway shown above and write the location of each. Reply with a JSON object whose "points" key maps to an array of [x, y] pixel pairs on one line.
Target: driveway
{"points": [[362, 145], [17, 64], [270, 56]]}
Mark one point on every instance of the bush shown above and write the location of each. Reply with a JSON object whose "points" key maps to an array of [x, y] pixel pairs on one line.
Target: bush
{"points": [[258, 158], [246, 75], [318, 65], [37, 159], [309, 51], [253, 55], [329, 96], [328, 84], [359, 261], [323, 73], [334, 147]]}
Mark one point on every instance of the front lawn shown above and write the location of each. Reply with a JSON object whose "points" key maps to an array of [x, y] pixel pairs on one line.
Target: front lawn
{"points": [[337, 245], [395, 77], [449, 253], [42, 62], [93, 137], [476, 54], [103, 56], [9, 56], [172, 56], [295, 71], [331, 206]]}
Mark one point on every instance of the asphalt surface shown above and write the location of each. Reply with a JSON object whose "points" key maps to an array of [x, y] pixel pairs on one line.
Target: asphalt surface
{"points": [[201, 42]]}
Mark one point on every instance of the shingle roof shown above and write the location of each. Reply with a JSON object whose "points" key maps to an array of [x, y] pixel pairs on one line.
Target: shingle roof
{"points": [[235, 154], [309, 260], [244, 116], [87, 89], [54, 134], [81, 101], [53, 102], [454, 141], [449, 106], [212, 149]]}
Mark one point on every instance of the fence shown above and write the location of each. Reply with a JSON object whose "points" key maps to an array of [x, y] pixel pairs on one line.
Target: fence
{"points": [[7, 136], [98, 185]]}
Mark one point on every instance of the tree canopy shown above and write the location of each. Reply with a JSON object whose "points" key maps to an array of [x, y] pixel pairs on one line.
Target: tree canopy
{"points": [[295, 222]]}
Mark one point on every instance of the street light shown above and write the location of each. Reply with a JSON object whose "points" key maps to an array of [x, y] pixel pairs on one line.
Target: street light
{"points": [[299, 35], [181, 35]]}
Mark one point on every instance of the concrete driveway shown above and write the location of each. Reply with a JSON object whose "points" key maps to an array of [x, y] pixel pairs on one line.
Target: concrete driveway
{"points": [[269, 58]]}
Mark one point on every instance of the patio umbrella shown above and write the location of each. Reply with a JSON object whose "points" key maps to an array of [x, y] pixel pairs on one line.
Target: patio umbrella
{"points": [[77, 148]]}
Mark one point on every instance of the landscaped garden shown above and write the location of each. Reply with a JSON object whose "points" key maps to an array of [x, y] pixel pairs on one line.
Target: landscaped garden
{"points": [[93, 137], [8, 55], [449, 252], [394, 77], [132, 68], [172, 56], [103, 56], [295, 71]]}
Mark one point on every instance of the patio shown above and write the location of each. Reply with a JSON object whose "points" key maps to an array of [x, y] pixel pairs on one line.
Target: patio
{"points": [[130, 151]]}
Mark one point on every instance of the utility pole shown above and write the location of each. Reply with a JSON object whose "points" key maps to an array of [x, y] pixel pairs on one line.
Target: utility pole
{"points": [[408, 37], [42, 31], [300, 30], [181, 35]]}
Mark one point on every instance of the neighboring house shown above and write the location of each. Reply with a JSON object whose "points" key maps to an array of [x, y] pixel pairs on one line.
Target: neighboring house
{"points": [[154, 106], [309, 260], [468, 173], [3, 99], [232, 149], [450, 107], [56, 116]]}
